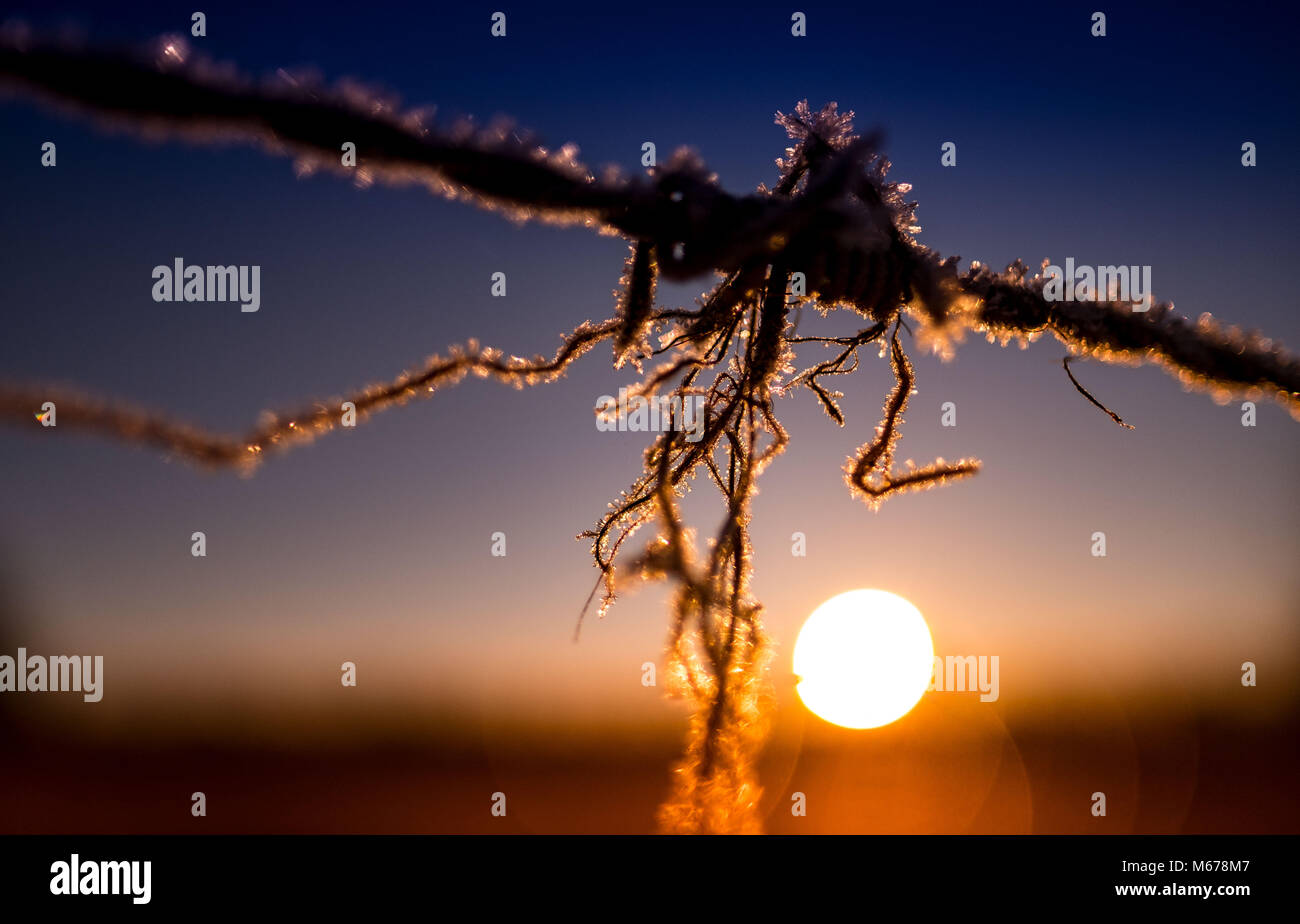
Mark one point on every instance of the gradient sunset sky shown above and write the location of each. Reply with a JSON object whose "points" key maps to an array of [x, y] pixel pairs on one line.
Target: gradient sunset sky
{"points": [[373, 545]]}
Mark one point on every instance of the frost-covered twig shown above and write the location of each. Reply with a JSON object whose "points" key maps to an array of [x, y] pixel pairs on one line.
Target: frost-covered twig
{"points": [[277, 432], [1203, 355]]}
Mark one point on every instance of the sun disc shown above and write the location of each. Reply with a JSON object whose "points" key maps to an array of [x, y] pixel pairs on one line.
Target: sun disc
{"points": [[864, 658]]}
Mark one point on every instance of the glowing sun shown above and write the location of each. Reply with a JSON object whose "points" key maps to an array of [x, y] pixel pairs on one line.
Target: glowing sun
{"points": [[863, 659]]}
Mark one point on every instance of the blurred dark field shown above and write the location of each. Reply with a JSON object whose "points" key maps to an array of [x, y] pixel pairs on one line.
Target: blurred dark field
{"points": [[1205, 775]]}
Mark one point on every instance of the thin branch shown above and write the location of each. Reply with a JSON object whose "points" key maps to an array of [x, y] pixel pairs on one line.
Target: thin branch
{"points": [[278, 432], [1065, 363]]}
